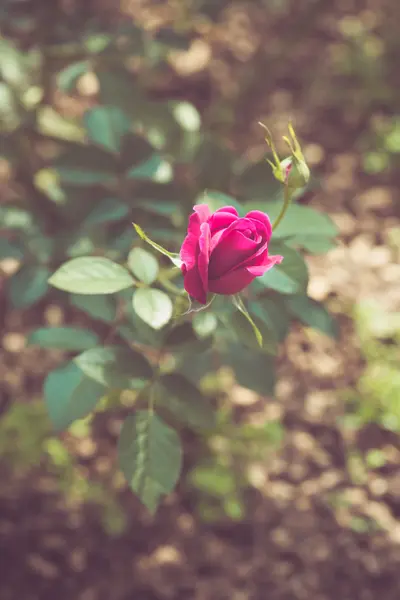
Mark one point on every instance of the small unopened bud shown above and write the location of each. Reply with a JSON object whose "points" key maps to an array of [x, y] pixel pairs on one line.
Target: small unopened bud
{"points": [[295, 172]]}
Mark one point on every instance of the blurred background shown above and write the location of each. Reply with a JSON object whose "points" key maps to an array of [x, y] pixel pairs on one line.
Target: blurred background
{"points": [[309, 507]]}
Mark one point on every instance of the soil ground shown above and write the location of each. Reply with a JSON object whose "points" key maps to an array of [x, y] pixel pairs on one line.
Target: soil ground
{"points": [[296, 542]]}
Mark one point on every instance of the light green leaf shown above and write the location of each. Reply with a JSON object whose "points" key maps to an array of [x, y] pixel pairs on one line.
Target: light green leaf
{"points": [[106, 126], [204, 324], [172, 256], [143, 265], [68, 77], [154, 307], [115, 367], [28, 285], [185, 401], [314, 244], [289, 277], [150, 457], [107, 211], [299, 220], [91, 275], [100, 307], [63, 338], [70, 395], [312, 313], [216, 200]]}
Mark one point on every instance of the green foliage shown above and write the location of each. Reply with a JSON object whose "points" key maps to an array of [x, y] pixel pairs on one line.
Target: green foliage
{"points": [[150, 457], [81, 182]]}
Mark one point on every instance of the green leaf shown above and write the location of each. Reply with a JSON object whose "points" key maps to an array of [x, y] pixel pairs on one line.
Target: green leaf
{"points": [[91, 275], [253, 370], [150, 457], [106, 126], [238, 303], [312, 313], [315, 244], [155, 168], [63, 338], [173, 257], [154, 307], [245, 331], [273, 312], [68, 77], [216, 200], [289, 277], [101, 307], [115, 367], [143, 265], [204, 324], [298, 220], [10, 250], [28, 286], [108, 210], [70, 395], [185, 401], [86, 166]]}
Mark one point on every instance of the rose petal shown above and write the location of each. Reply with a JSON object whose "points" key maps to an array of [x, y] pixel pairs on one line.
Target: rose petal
{"points": [[194, 285], [204, 254], [189, 250], [227, 209], [269, 262], [230, 252], [231, 283], [262, 218], [221, 220]]}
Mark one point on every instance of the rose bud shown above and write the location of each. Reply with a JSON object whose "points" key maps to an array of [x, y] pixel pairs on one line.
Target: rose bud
{"points": [[222, 252], [296, 173]]}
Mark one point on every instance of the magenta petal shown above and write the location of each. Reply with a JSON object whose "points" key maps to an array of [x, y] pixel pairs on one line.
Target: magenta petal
{"points": [[189, 250], [221, 220], [204, 254], [263, 218], [258, 270], [200, 215], [194, 285], [227, 209], [230, 252], [231, 283]]}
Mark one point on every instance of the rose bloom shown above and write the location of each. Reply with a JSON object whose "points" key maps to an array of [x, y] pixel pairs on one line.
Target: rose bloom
{"points": [[222, 252]]}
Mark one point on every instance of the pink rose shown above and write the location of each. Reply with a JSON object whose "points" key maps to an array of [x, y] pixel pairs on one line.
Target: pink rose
{"points": [[222, 252]]}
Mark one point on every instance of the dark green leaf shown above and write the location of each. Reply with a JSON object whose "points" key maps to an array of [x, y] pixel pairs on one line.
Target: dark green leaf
{"points": [[91, 275], [101, 307], [150, 457], [86, 166], [185, 401], [107, 211], [312, 313], [28, 286], [273, 312], [106, 126], [155, 168], [314, 244], [70, 395], [289, 277], [154, 307], [253, 370], [143, 265], [10, 250], [136, 150], [115, 367], [253, 333], [63, 338]]}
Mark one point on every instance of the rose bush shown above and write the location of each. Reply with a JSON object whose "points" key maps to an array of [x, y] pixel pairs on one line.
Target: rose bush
{"points": [[223, 252]]}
